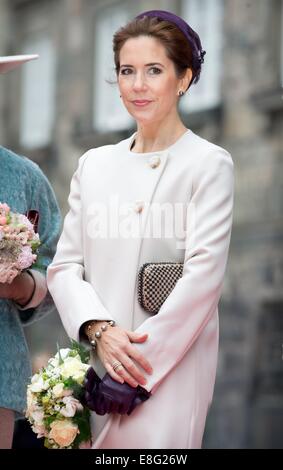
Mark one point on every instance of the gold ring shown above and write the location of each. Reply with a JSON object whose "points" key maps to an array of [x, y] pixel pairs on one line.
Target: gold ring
{"points": [[116, 364]]}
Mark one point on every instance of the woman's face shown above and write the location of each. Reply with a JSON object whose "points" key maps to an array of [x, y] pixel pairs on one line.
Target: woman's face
{"points": [[146, 73]]}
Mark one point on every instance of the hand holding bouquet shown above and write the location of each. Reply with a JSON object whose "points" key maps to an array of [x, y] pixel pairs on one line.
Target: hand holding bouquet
{"points": [[18, 244], [55, 399]]}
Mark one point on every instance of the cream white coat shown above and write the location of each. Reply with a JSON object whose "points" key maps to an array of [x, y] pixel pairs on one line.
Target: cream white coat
{"points": [[94, 277]]}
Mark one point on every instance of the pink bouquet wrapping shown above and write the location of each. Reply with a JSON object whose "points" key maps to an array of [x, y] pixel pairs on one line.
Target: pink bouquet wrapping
{"points": [[18, 243]]}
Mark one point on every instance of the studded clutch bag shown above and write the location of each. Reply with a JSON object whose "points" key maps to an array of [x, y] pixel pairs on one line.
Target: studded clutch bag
{"points": [[155, 282]]}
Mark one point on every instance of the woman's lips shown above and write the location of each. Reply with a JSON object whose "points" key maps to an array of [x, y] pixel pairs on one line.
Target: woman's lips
{"points": [[141, 102]]}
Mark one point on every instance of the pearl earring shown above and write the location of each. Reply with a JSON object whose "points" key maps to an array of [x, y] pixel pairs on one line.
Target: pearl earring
{"points": [[181, 93]]}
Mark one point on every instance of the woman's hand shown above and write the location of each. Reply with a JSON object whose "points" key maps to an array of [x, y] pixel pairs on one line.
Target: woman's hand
{"points": [[20, 290], [115, 345]]}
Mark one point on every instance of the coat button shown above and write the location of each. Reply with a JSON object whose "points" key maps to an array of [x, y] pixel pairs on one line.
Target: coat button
{"points": [[138, 206], [154, 161]]}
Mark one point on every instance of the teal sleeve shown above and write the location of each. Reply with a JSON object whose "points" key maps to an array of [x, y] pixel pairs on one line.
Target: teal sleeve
{"points": [[44, 201]]}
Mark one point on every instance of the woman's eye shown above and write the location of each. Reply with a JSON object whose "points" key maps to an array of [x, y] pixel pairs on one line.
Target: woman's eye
{"points": [[152, 70], [156, 70], [124, 71]]}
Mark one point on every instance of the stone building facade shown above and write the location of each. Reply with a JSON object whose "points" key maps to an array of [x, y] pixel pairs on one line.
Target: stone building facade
{"points": [[57, 109]]}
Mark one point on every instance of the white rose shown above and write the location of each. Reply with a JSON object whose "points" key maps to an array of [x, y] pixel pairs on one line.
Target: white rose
{"points": [[35, 378], [37, 384], [63, 353], [57, 390], [79, 376], [73, 367]]}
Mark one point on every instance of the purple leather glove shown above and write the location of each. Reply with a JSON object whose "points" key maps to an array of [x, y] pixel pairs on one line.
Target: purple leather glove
{"points": [[109, 396], [91, 382]]}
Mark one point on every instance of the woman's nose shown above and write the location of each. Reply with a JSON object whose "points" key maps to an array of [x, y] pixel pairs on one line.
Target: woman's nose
{"points": [[139, 81]]}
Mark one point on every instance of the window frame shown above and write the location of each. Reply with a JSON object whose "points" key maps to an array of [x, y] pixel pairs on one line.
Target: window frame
{"points": [[47, 121], [200, 98], [98, 97]]}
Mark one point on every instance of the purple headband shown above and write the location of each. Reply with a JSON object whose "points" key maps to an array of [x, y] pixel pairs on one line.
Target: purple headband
{"points": [[192, 37]]}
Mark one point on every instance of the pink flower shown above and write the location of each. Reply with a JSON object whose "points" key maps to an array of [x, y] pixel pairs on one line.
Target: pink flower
{"points": [[25, 258], [23, 220], [63, 432], [4, 208], [72, 405], [8, 272], [3, 220]]}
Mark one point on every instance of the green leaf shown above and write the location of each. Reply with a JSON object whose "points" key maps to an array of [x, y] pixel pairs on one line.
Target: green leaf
{"points": [[59, 355], [77, 389], [48, 420], [81, 350], [47, 443], [34, 244], [83, 422], [39, 264]]}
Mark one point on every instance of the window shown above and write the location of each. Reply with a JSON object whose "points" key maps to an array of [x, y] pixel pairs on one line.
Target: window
{"points": [[109, 113], [205, 17], [38, 93]]}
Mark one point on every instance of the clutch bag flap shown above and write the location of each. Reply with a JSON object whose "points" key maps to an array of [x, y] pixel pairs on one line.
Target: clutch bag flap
{"points": [[155, 282]]}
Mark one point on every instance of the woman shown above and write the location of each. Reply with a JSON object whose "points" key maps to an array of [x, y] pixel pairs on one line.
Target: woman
{"points": [[160, 370], [24, 188]]}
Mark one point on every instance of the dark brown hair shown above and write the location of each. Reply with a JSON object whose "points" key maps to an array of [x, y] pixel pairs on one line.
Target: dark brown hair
{"points": [[177, 48]]}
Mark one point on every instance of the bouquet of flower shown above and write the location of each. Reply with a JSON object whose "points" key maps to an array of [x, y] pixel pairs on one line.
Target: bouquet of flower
{"points": [[54, 400], [18, 244]]}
